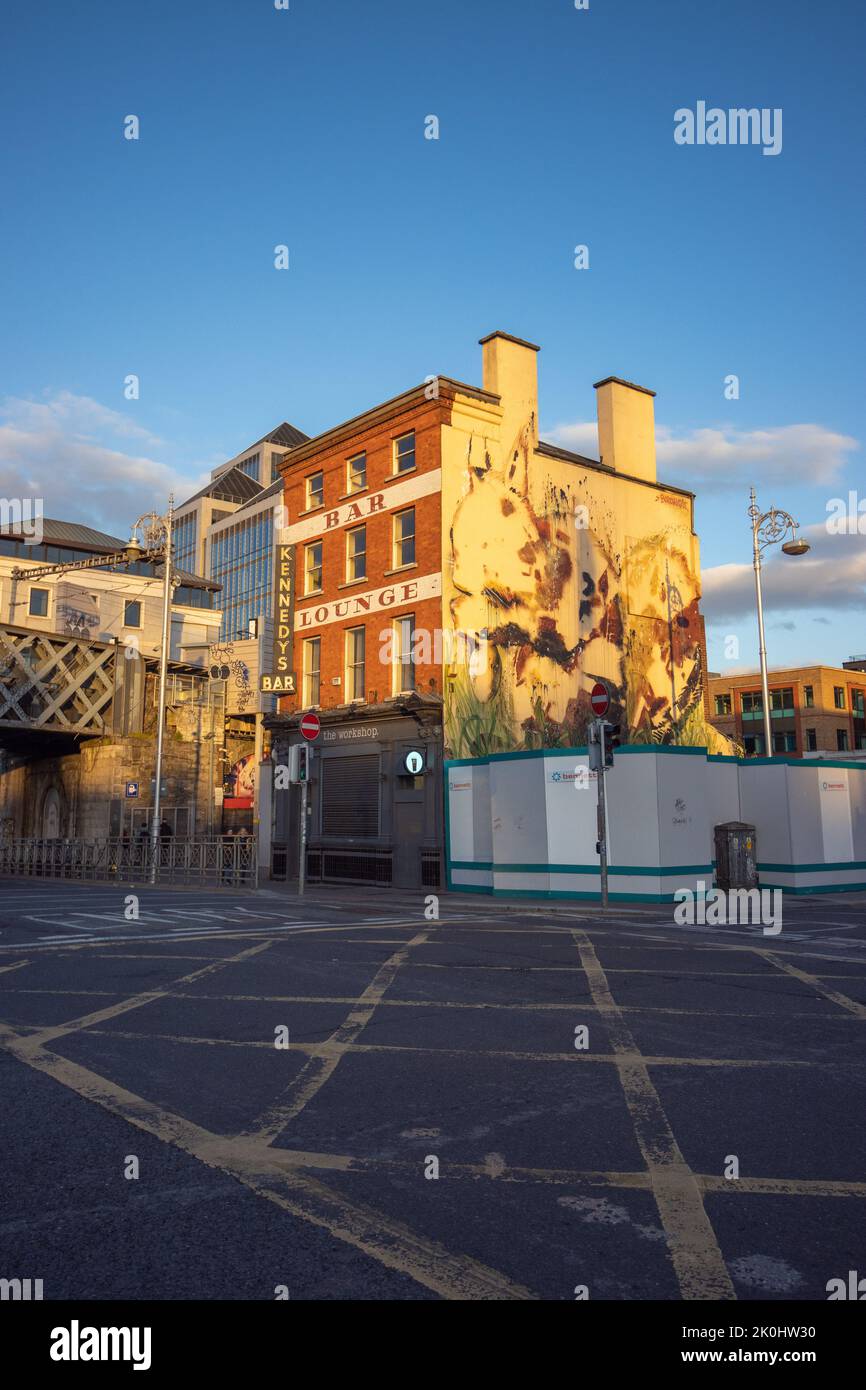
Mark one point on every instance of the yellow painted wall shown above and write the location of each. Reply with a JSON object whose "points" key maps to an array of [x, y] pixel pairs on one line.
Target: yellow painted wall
{"points": [[565, 568]]}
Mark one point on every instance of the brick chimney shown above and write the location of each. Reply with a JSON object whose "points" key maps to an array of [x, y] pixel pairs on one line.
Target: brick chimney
{"points": [[510, 371], [626, 427]]}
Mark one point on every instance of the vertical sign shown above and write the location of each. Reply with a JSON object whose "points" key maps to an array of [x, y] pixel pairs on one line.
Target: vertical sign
{"points": [[280, 680]]}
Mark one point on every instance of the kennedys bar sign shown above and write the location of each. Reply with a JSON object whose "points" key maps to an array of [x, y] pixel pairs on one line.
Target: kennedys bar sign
{"points": [[280, 680]]}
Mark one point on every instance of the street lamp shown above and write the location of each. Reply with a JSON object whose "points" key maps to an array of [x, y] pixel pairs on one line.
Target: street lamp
{"points": [[156, 531], [768, 528]]}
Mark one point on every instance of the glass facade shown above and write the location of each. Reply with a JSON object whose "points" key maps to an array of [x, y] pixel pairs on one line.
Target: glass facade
{"points": [[184, 536], [241, 561], [250, 466]]}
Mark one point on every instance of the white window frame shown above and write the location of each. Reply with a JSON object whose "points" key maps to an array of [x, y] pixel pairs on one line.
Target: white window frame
{"points": [[355, 531], [397, 562], [351, 666], [312, 506], [311, 644], [395, 469], [308, 549], [351, 489], [399, 655]]}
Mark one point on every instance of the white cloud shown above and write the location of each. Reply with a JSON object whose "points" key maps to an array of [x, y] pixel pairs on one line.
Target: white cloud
{"points": [[710, 460], [65, 450], [831, 576]]}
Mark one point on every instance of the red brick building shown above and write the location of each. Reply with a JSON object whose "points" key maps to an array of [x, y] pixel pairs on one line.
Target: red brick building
{"points": [[364, 510], [363, 505]]}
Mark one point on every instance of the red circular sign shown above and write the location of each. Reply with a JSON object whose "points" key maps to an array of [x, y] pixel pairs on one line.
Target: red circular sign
{"points": [[310, 726], [599, 699]]}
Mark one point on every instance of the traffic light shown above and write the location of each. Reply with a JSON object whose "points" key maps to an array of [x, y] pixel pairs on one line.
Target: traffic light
{"points": [[299, 763], [610, 741], [595, 746]]}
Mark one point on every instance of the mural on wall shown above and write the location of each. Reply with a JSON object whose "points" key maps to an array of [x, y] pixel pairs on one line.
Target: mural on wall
{"points": [[541, 574]]}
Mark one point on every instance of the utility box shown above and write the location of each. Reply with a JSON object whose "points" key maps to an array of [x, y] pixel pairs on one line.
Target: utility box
{"points": [[736, 855]]}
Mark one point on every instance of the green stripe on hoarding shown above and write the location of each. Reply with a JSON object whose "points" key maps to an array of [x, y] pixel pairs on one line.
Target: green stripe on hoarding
{"points": [[834, 867]]}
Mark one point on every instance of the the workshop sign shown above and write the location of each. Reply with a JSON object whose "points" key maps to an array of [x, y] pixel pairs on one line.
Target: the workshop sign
{"points": [[280, 680]]}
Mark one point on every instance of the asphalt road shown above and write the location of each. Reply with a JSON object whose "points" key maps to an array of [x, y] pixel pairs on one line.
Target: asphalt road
{"points": [[600, 1159]]}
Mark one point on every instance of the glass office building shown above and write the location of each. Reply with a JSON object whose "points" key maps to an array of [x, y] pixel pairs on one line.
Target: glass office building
{"points": [[184, 537], [241, 561]]}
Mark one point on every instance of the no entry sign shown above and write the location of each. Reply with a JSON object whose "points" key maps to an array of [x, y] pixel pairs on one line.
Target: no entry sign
{"points": [[310, 727], [598, 698]]}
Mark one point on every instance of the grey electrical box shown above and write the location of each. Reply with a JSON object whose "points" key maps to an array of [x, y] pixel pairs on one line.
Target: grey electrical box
{"points": [[736, 855]]}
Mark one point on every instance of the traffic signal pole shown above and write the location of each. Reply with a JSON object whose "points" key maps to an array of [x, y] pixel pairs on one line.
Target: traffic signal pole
{"points": [[598, 740], [302, 866], [602, 839]]}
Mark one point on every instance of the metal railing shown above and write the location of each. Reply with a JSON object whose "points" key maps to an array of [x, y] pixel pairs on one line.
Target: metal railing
{"points": [[220, 861]]}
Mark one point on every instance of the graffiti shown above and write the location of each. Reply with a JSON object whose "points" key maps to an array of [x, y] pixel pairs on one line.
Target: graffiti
{"points": [[542, 569], [239, 674]]}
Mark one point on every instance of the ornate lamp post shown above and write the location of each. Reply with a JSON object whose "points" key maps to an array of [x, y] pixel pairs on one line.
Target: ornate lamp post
{"points": [[768, 528], [156, 533]]}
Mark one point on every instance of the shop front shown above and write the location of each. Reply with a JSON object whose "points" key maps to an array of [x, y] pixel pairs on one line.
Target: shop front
{"points": [[374, 799]]}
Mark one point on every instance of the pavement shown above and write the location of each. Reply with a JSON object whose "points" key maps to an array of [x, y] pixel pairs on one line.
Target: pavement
{"points": [[244, 1095]]}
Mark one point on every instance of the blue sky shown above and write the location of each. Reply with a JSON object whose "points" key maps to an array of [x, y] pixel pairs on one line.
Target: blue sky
{"points": [[306, 127]]}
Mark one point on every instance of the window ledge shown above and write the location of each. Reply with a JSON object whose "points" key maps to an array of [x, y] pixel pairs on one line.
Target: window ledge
{"points": [[349, 496], [353, 583], [401, 569]]}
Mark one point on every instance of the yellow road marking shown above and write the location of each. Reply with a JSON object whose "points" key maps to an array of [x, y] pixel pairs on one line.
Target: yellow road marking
{"points": [[328, 1054], [697, 1259], [261, 1169], [851, 1005]]}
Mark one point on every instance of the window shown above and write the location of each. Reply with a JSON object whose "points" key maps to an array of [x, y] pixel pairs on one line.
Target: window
{"points": [[250, 466], [723, 704], [782, 701], [404, 660], [753, 704], [315, 491], [811, 741], [754, 745], [356, 554], [39, 603], [404, 453], [313, 567], [356, 473], [404, 539], [132, 613], [858, 704], [355, 654], [312, 658], [839, 696], [842, 740], [784, 743], [275, 466], [809, 696]]}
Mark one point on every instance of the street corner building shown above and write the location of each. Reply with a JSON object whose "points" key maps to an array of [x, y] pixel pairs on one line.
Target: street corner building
{"points": [[460, 587]]}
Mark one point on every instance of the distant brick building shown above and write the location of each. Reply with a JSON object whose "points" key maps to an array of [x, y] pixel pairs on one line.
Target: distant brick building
{"points": [[813, 709]]}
